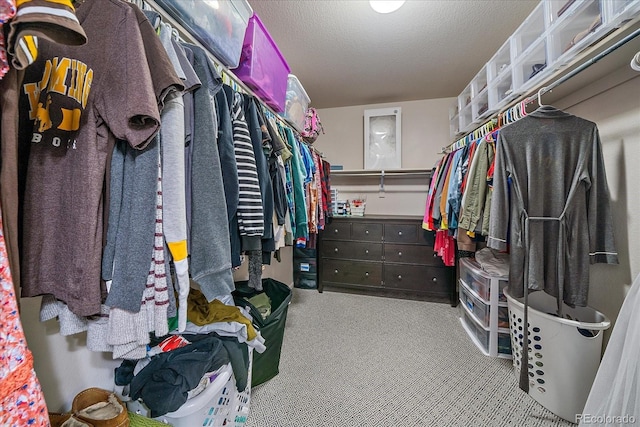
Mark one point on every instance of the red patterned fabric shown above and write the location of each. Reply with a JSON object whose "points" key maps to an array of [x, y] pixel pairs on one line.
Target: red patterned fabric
{"points": [[21, 399]]}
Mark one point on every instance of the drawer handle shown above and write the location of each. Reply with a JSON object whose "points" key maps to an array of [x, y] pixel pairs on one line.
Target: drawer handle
{"points": [[335, 230], [399, 233], [366, 231], [366, 251], [335, 249], [435, 279], [366, 274], [399, 277], [399, 253], [335, 271], [435, 254]]}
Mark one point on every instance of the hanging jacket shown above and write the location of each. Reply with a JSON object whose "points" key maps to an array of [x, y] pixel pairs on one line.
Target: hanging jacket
{"points": [[250, 215], [226, 151], [210, 245], [262, 167], [298, 176]]}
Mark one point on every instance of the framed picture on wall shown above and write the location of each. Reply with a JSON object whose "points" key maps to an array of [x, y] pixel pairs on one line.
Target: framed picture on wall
{"points": [[383, 138]]}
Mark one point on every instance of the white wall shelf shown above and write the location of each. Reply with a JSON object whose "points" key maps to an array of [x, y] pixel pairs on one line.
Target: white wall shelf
{"points": [[548, 42]]}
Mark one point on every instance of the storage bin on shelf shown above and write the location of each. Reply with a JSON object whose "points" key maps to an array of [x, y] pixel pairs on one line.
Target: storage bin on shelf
{"points": [[296, 104], [220, 28], [262, 67], [218, 405], [619, 11], [564, 353], [574, 30]]}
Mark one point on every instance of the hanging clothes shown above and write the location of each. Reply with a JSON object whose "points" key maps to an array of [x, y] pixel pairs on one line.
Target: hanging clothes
{"points": [[39, 20], [264, 179], [63, 197], [210, 240], [47, 24], [298, 176], [250, 214], [556, 207]]}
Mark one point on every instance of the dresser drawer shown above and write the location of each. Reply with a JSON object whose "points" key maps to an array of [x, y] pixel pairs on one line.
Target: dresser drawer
{"points": [[367, 231], [417, 278], [401, 233], [354, 272], [338, 230], [411, 254], [351, 250]]}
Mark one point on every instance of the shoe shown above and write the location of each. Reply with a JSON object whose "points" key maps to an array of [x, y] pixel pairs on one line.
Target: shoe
{"points": [[93, 407], [100, 408]]}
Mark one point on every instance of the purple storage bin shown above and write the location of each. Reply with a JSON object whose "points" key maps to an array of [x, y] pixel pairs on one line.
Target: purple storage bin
{"points": [[262, 66]]}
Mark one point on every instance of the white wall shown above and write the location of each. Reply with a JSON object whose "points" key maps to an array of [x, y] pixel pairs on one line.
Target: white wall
{"points": [[616, 111], [425, 130]]}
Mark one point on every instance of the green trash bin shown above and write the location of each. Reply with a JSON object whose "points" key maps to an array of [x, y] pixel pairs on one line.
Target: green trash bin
{"points": [[266, 365]]}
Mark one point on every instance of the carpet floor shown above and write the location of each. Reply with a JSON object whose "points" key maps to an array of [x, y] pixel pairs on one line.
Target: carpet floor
{"points": [[362, 361]]}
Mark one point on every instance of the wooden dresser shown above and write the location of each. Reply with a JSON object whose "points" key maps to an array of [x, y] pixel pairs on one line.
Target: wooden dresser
{"points": [[388, 256]]}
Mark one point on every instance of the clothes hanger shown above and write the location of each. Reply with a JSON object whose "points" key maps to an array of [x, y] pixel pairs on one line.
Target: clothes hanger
{"points": [[540, 104]]}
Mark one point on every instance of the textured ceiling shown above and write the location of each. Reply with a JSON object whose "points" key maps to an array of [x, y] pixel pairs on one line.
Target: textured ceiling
{"points": [[345, 54]]}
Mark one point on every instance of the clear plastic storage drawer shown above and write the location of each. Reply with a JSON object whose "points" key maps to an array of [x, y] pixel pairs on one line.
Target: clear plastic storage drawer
{"points": [[480, 335], [504, 343], [479, 280], [479, 309]]}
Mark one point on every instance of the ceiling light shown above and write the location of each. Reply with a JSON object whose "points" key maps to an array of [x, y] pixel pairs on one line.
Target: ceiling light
{"points": [[388, 6]]}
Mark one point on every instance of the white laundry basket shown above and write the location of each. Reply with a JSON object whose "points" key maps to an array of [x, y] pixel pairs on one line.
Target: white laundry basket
{"points": [[219, 405], [564, 353]]}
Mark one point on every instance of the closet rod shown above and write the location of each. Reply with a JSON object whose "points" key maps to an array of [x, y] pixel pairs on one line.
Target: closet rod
{"points": [[184, 33], [572, 73], [379, 173]]}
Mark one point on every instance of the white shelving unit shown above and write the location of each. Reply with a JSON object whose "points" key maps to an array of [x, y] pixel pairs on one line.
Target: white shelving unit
{"points": [[484, 313], [546, 42]]}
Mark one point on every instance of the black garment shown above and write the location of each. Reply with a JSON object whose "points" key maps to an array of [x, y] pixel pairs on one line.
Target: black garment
{"points": [[266, 189], [227, 154], [238, 356], [277, 180], [164, 383]]}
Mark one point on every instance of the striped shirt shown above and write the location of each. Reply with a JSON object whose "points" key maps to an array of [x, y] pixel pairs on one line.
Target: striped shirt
{"points": [[250, 213]]}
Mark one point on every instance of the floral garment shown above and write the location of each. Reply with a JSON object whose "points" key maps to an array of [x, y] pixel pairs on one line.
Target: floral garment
{"points": [[21, 399], [7, 11]]}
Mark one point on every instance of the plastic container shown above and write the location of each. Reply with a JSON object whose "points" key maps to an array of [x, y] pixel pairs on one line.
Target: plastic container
{"points": [[220, 26], [296, 104], [219, 404], [305, 268], [480, 281], [479, 309], [619, 11], [262, 67], [564, 353], [575, 30], [478, 334], [531, 67]]}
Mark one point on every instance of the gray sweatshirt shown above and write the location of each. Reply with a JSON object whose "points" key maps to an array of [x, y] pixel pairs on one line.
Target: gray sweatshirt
{"points": [[210, 248]]}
